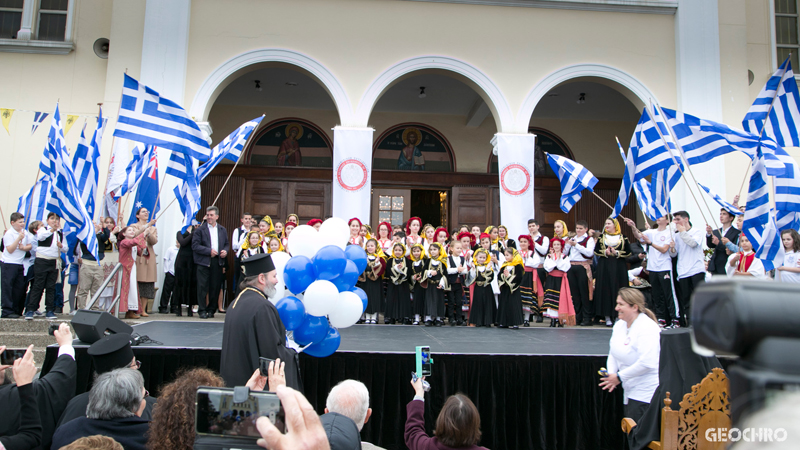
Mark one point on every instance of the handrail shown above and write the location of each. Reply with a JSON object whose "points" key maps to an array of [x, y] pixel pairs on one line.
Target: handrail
{"points": [[103, 286]]}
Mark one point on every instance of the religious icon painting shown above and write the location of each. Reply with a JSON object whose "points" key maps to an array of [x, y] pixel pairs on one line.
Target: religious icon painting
{"points": [[412, 146], [291, 143]]}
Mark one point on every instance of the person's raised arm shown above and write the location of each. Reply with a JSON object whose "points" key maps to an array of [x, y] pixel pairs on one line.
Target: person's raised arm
{"points": [[304, 430], [30, 425], [415, 436]]}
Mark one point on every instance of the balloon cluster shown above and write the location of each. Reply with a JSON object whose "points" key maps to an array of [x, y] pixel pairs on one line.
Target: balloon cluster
{"points": [[317, 285]]}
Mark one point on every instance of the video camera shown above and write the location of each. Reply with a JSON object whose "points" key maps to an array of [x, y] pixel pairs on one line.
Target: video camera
{"points": [[226, 417], [758, 321]]}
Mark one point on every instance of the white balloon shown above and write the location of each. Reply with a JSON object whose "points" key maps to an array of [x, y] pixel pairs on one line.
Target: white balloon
{"points": [[279, 259], [334, 231], [321, 298], [303, 241], [347, 311]]}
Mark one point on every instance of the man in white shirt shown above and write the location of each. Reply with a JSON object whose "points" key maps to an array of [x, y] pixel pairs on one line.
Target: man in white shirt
{"points": [[45, 265], [210, 248], [581, 251], [659, 264], [15, 243], [687, 246]]}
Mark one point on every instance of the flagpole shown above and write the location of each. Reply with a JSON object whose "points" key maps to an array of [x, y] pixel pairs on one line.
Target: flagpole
{"points": [[30, 200], [678, 145], [766, 119], [165, 209], [234, 166], [4, 217], [158, 196], [624, 160], [606, 203], [111, 158]]}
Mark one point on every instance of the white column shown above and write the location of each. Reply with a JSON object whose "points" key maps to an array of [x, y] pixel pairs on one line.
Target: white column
{"points": [[164, 52], [699, 94], [515, 170], [352, 173], [26, 26]]}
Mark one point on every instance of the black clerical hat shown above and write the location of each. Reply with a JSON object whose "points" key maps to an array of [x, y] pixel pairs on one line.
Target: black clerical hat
{"points": [[111, 352], [258, 264]]}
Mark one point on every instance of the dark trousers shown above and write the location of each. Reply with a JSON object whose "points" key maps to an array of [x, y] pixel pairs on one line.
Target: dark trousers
{"points": [[579, 288], [454, 299], [13, 289], [209, 282], [663, 303], [166, 294], [44, 278], [634, 409], [688, 286]]}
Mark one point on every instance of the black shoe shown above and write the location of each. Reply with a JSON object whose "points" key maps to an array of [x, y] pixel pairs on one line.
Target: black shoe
{"points": [[560, 325], [180, 313], [526, 324], [12, 316], [203, 315], [515, 327], [438, 323], [428, 323], [162, 311], [210, 315], [539, 319], [552, 323], [59, 311], [189, 313], [586, 323]]}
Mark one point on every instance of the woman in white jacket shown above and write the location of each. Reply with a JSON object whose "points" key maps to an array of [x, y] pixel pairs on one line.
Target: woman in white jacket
{"points": [[633, 357]]}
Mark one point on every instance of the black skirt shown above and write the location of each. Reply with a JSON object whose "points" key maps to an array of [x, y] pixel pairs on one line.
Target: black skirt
{"points": [[483, 307], [418, 299], [611, 275], [509, 312], [374, 291], [398, 301], [434, 300]]}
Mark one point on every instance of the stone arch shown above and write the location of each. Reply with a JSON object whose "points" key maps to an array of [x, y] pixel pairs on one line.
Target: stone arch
{"points": [[231, 69], [469, 74], [634, 90]]}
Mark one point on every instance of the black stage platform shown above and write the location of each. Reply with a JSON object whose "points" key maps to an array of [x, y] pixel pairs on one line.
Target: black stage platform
{"points": [[536, 388]]}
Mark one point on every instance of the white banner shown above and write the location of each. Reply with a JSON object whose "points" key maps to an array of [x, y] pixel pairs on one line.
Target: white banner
{"points": [[352, 173], [515, 164]]}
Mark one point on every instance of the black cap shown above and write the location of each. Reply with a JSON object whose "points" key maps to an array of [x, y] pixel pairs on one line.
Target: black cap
{"points": [[342, 432], [258, 264], [111, 352]]}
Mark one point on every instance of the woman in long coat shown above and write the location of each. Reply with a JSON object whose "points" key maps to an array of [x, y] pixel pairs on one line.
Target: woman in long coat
{"points": [[146, 261]]}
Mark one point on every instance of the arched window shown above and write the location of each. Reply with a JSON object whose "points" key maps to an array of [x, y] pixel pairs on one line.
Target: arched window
{"points": [[290, 142], [413, 146], [546, 142]]}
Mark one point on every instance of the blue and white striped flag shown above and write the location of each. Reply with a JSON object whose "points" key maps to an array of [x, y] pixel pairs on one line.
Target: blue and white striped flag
{"points": [[781, 94], [757, 211], [143, 162], [187, 192], [230, 148], [180, 166], [766, 241], [146, 117], [65, 199], [787, 185], [574, 179], [734, 211], [35, 208], [84, 165], [787, 220], [649, 151], [648, 205], [38, 118]]}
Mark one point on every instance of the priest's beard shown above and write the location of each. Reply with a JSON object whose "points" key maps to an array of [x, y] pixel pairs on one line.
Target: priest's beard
{"points": [[269, 290]]}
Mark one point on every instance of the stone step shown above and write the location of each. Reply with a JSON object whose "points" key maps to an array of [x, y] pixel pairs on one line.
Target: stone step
{"points": [[38, 324], [24, 339]]}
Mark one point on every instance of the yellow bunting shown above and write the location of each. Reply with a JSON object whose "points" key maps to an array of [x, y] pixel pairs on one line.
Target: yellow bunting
{"points": [[71, 119], [6, 114]]}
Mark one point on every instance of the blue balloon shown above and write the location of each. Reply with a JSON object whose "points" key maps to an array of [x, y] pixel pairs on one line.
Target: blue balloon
{"points": [[363, 296], [329, 262], [312, 330], [298, 274], [292, 312], [348, 278], [357, 255], [327, 346]]}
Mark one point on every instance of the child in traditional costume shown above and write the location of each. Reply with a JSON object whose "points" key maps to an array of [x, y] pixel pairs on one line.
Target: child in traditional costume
{"points": [[371, 281], [129, 247], [384, 237], [413, 238], [530, 304], [435, 277], [540, 246], [745, 263], [418, 264], [398, 289], [481, 313], [316, 223], [441, 236], [611, 250], [265, 227], [503, 238], [557, 298], [274, 244], [355, 232], [457, 267], [427, 233], [509, 311], [465, 237]]}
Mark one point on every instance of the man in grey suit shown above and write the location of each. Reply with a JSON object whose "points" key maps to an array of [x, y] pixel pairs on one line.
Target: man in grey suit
{"points": [[210, 246]]}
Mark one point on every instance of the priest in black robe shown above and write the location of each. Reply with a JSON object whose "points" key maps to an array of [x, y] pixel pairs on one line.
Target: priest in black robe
{"points": [[254, 329]]}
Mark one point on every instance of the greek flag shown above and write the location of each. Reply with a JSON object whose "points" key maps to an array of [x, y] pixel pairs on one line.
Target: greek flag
{"points": [[143, 162], [188, 192], [230, 148], [65, 198], [727, 206], [788, 220], [766, 240], [648, 205], [35, 208], [180, 166], [780, 99], [574, 179], [787, 185], [757, 211], [38, 118], [84, 164], [146, 117]]}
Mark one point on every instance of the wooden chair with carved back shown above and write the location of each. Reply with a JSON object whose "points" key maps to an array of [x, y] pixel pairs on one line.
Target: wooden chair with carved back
{"points": [[707, 406]]}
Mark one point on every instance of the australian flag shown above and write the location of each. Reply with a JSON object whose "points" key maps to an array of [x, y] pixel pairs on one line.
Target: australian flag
{"points": [[147, 192]]}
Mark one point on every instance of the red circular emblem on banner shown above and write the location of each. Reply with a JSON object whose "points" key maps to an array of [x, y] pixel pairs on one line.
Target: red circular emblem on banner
{"points": [[351, 174], [515, 179]]}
